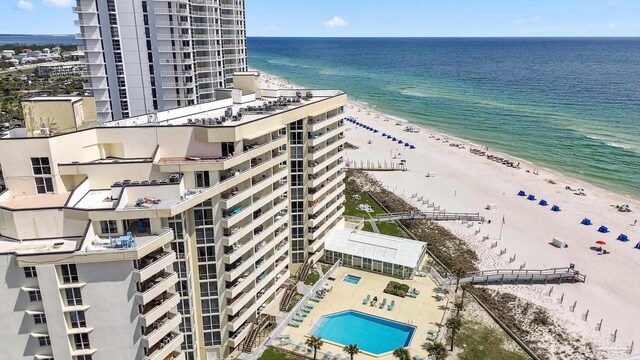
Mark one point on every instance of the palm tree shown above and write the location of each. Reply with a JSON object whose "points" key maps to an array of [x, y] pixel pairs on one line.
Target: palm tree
{"points": [[465, 288], [459, 307], [402, 354], [351, 349], [314, 342], [454, 324], [438, 350], [458, 272]]}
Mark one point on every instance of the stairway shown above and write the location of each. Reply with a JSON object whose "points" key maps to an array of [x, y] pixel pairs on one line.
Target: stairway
{"points": [[288, 295], [253, 333]]}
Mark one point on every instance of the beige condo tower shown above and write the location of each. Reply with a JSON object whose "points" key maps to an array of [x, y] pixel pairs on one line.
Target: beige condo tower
{"points": [[168, 235]]}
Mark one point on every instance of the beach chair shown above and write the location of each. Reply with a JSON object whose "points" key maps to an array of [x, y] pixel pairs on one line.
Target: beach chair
{"points": [[432, 335], [328, 355], [383, 303], [418, 357], [301, 314], [294, 324], [366, 300], [315, 298], [298, 319], [308, 306], [439, 296], [304, 309], [391, 305], [373, 302], [299, 346]]}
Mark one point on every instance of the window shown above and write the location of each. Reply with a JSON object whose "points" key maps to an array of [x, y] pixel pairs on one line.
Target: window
{"points": [[74, 298], [77, 320], [204, 236], [81, 341], [211, 338], [44, 340], [297, 258], [82, 357], [203, 217], [39, 319], [210, 322], [69, 273], [209, 306], [34, 295], [44, 185], [109, 227], [297, 245], [297, 180], [40, 166], [30, 272], [202, 179], [42, 171]]}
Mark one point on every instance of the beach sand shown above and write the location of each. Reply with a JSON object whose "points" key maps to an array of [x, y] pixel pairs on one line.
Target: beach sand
{"points": [[465, 182]]}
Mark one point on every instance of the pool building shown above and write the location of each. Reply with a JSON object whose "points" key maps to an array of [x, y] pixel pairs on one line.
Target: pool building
{"points": [[388, 255]]}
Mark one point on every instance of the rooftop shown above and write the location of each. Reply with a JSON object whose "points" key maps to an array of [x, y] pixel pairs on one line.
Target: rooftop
{"points": [[54, 98], [378, 247], [35, 201], [32, 247]]}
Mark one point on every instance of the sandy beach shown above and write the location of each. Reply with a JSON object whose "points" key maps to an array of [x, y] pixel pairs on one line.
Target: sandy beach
{"points": [[466, 182]]}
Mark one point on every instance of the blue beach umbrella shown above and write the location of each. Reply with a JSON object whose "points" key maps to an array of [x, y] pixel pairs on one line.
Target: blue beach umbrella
{"points": [[412, 147]]}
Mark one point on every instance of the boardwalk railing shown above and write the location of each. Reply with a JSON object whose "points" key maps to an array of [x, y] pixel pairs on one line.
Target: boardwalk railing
{"points": [[524, 276], [430, 215], [280, 328]]}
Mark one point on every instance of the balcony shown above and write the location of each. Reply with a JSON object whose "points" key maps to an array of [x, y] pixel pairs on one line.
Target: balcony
{"points": [[240, 249], [316, 167], [176, 61], [85, 23], [236, 216], [153, 264], [323, 123], [157, 286], [174, 37], [316, 152], [239, 335], [84, 10], [169, 346], [176, 85], [172, 24], [83, 36], [316, 180], [171, 11], [160, 328], [175, 97], [325, 136], [158, 307], [322, 189]]}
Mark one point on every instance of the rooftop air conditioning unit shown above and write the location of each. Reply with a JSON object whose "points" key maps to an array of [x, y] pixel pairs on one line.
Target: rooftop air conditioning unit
{"points": [[228, 112], [44, 131]]}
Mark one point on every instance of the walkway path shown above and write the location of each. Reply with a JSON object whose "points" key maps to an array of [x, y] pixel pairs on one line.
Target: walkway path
{"points": [[374, 227]]}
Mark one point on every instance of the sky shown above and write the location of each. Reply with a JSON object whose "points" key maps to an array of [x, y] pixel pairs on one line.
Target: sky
{"points": [[375, 18]]}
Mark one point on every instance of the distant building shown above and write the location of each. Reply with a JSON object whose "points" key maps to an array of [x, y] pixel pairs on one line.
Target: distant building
{"points": [[55, 70], [143, 56], [48, 115], [8, 53]]}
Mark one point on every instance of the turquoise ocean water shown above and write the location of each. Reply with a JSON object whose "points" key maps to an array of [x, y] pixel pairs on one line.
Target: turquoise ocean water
{"points": [[569, 104]]}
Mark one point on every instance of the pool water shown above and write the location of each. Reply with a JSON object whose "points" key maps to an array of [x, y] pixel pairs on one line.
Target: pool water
{"points": [[352, 279], [373, 334]]}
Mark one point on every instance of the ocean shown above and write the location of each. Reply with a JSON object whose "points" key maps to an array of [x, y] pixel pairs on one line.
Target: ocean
{"points": [[568, 104], [38, 39]]}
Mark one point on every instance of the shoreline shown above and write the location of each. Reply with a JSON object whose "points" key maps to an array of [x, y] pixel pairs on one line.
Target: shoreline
{"points": [[612, 189], [465, 182]]}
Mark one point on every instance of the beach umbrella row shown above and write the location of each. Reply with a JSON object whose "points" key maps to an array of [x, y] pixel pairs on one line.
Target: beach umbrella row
{"points": [[542, 202], [375, 131]]}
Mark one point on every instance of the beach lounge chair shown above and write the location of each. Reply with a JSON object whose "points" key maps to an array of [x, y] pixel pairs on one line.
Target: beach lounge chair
{"points": [[383, 303], [308, 306], [366, 300], [391, 305], [440, 295], [418, 357], [299, 346], [328, 355], [374, 302], [298, 318], [305, 310], [432, 335], [315, 298], [294, 324]]}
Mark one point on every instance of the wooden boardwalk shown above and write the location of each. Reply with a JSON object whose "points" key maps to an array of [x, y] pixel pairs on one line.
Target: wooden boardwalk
{"points": [[430, 215], [524, 276]]}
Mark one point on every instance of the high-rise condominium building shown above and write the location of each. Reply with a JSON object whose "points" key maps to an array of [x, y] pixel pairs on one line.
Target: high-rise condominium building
{"points": [[169, 235], [147, 55]]}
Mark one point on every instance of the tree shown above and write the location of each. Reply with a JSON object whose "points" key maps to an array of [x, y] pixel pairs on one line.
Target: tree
{"points": [[458, 272], [314, 342], [465, 288], [402, 354], [454, 324], [438, 350], [459, 307], [351, 349]]}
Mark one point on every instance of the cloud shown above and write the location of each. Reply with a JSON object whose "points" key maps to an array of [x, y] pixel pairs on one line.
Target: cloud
{"points": [[337, 21], [271, 27], [25, 5], [57, 3]]}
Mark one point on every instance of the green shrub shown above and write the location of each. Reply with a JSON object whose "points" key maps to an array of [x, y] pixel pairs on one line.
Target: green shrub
{"points": [[396, 288]]}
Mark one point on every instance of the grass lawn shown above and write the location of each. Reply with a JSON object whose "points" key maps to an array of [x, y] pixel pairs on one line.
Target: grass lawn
{"points": [[312, 278], [391, 228], [350, 205], [294, 300], [481, 342], [273, 354], [325, 268], [367, 227]]}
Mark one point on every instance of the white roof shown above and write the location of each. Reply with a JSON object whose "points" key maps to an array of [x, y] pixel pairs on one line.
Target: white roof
{"points": [[54, 98], [374, 246]]}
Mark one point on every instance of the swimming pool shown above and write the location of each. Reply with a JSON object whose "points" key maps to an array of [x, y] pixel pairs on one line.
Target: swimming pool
{"points": [[373, 334], [352, 279]]}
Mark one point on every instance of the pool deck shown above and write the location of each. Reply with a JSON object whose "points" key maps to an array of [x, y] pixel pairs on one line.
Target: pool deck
{"points": [[423, 312]]}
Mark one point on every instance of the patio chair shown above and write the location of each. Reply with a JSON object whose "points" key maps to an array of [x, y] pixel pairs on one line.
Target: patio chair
{"points": [[440, 295], [308, 306], [315, 298], [432, 335], [294, 324], [383, 303], [301, 314], [328, 355], [391, 305], [418, 357], [298, 319], [366, 300]]}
